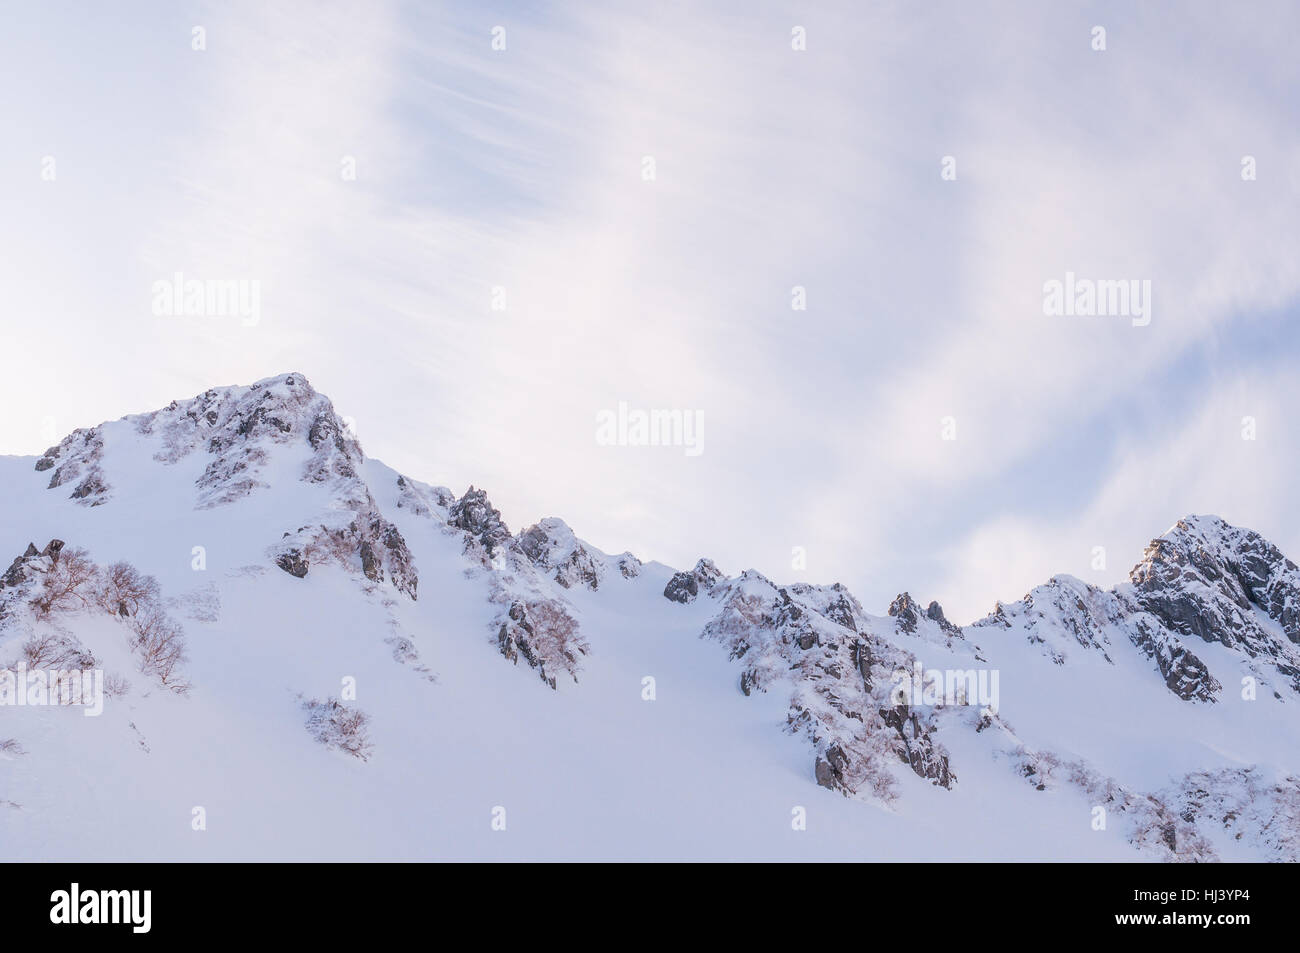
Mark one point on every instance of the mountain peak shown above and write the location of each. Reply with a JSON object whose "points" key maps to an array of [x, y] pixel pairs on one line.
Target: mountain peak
{"points": [[1225, 584]]}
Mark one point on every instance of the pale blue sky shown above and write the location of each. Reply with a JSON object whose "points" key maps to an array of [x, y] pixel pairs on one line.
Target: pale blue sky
{"points": [[522, 168]]}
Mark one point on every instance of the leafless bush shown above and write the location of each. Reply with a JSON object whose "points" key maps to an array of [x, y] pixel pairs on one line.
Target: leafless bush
{"points": [[52, 650], [338, 545], [867, 767], [73, 581], [340, 726], [160, 643], [124, 590], [555, 632], [11, 747], [67, 584], [115, 686]]}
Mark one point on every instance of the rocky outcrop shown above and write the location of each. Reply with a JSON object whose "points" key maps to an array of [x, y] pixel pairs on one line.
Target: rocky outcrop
{"points": [[1061, 616], [1214, 582], [551, 546], [475, 515], [905, 612], [707, 574], [382, 549], [1205, 581], [423, 499], [368, 543], [816, 643], [293, 562], [682, 587], [544, 635], [78, 458], [934, 612], [237, 428], [915, 744], [1184, 673], [629, 567]]}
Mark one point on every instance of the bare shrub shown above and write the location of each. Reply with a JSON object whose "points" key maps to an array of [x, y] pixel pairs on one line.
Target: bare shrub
{"points": [[116, 686], [52, 650], [73, 581], [11, 747], [866, 767], [67, 584], [556, 632], [136, 598], [542, 633], [340, 726], [160, 643], [336, 545], [124, 590]]}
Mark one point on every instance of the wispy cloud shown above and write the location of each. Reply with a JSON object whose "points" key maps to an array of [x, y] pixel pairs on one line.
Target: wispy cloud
{"points": [[518, 175]]}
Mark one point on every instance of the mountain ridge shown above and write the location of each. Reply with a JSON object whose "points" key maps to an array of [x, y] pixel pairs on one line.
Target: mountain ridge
{"points": [[274, 461]]}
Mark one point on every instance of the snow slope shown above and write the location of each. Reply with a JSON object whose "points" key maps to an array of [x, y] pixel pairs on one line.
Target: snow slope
{"points": [[502, 678]]}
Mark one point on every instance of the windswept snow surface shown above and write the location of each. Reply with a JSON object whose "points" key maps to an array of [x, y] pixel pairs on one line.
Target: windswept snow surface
{"points": [[460, 739]]}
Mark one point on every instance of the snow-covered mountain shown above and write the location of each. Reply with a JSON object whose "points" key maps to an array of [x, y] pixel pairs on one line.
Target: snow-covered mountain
{"points": [[307, 655]]}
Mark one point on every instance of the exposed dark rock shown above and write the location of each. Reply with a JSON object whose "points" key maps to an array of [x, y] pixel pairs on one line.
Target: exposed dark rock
{"points": [[905, 611], [629, 566], [934, 612], [551, 546], [816, 640], [915, 747], [544, 635], [370, 563], [1184, 673], [386, 541], [840, 609], [1169, 834], [81, 452], [829, 768], [706, 574], [91, 486], [475, 515], [292, 562], [683, 588], [863, 659], [15, 575], [747, 682], [1207, 579]]}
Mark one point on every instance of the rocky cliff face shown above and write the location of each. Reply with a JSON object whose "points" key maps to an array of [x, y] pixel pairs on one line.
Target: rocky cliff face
{"points": [[76, 461], [816, 643], [1204, 581], [551, 546], [1209, 581]]}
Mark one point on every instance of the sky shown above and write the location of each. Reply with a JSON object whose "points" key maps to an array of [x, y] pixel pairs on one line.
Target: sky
{"points": [[504, 264]]}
